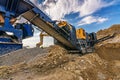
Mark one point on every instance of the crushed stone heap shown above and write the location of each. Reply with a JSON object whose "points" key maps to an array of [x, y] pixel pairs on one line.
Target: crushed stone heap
{"points": [[55, 63]]}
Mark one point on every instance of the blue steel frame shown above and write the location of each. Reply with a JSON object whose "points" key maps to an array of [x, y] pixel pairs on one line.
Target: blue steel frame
{"points": [[12, 9], [7, 27]]}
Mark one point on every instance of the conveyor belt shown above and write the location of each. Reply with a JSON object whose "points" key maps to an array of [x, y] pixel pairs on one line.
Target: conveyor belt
{"points": [[40, 23]]}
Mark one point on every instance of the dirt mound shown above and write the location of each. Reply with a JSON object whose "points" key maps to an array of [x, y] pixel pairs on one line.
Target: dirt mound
{"points": [[55, 63], [37, 65], [110, 48], [110, 51], [113, 29], [58, 64]]}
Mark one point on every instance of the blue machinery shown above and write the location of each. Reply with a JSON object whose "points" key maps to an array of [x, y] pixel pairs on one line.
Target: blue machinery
{"points": [[11, 9], [14, 8]]}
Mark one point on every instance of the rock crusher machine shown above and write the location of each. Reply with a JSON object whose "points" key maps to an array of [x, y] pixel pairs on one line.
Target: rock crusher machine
{"points": [[11, 33]]}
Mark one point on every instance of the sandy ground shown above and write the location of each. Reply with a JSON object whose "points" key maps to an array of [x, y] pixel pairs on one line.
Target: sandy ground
{"points": [[55, 63]]}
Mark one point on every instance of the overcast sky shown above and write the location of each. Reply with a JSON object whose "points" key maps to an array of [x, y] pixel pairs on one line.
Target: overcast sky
{"points": [[92, 15]]}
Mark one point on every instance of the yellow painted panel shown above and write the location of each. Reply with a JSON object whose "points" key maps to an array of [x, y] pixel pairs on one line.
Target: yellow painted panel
{"points": [[62, 23], [80, 34]]}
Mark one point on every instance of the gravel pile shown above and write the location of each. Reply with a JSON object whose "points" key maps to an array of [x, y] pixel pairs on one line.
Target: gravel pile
{"points": [[23, 55]]}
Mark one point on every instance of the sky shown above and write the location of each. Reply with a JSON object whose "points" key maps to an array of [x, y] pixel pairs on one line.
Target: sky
{"points": [[91, 15]]}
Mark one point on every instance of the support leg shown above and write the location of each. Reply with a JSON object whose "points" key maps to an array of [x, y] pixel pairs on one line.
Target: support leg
{"points": [[41, 39]]}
